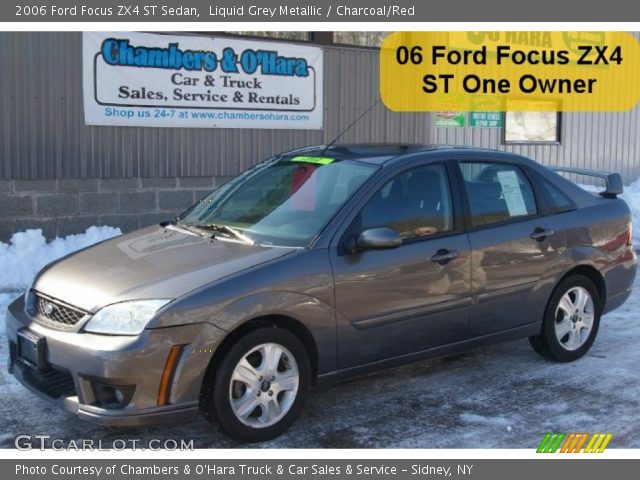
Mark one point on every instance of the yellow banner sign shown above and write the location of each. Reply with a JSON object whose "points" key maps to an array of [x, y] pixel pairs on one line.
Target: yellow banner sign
{"points": [[515, 71]]}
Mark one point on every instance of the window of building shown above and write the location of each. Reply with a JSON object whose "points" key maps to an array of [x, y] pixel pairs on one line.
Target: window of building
{"points": [[362, 39], [531, 126], [416, 204], [497, 192]]}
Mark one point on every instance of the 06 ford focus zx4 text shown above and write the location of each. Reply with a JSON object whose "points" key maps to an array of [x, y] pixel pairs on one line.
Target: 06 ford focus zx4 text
{"points": [[316, 264]]}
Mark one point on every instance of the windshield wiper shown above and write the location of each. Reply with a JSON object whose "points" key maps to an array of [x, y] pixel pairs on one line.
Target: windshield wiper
{"points": [[227, 231], [184, 226]]}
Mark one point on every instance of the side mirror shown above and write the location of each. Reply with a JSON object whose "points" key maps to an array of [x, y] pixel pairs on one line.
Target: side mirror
{"points": [[378, 238]]}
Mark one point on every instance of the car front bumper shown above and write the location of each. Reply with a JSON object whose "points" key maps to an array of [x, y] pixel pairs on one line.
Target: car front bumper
{"points": [[84, 371]]}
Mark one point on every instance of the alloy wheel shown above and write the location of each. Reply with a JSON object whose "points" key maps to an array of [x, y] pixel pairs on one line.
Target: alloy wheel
{"points": [[574, 318], [264, 385]]}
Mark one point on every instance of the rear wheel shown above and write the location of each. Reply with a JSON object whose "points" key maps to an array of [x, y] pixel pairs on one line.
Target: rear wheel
{"points": [[259, 387], [571, 321]]}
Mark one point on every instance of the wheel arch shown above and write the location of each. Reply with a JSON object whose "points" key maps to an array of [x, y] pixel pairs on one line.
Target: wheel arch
{"points": [[593, 274], [285, 322], [542, 343]]}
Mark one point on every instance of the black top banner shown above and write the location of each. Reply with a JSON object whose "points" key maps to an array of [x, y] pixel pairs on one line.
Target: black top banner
{"points": [[318, 11]]}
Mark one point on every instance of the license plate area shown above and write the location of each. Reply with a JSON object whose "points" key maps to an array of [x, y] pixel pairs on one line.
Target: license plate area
{"points": [[32, 349]]}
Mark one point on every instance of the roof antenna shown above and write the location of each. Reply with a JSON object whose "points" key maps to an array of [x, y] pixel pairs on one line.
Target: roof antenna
{"points": [[330, 144]]}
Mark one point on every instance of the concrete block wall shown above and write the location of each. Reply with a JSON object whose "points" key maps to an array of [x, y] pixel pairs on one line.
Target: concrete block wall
{"points": [[68, 206]]}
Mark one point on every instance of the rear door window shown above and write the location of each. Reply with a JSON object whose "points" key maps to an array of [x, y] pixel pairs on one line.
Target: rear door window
{"points": [[497, 192]]}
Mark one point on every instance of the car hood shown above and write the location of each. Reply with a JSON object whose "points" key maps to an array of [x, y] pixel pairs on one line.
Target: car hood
{"points": [[155, 262]]}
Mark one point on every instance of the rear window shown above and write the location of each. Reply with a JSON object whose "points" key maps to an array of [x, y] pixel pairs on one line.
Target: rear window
{"points": [[497, 192]]}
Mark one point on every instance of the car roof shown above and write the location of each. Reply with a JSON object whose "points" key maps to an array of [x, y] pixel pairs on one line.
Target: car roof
{"points": [[381, 153]]}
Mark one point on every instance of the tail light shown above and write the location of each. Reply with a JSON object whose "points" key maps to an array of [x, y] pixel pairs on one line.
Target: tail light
{"points": [[630, 234]]}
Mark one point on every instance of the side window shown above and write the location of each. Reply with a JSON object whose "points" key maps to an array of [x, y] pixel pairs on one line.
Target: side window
{"points": [[557, 199], [416, 203], [497, 192]]}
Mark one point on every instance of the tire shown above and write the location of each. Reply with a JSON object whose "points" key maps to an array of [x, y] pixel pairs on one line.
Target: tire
{"points": [[565, 313], [251, 400]]}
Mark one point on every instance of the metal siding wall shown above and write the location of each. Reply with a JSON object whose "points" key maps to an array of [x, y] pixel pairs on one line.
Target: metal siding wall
{"points": [[43, 135], [31, 143], [601, 141]]}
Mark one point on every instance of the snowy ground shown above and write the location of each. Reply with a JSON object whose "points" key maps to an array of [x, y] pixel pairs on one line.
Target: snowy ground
{"points": [[502, 396]]}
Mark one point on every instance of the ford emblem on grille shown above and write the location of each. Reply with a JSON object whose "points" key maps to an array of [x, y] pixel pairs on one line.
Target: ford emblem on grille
{"points": [[48, 308]]}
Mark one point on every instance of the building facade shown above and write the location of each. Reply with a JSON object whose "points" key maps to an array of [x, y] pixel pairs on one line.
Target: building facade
{"points": [[62, 176]]}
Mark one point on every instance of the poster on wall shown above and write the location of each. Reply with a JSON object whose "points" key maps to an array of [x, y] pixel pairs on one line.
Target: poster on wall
{"points": [[449, 119], [151, 80], [485, 119]]}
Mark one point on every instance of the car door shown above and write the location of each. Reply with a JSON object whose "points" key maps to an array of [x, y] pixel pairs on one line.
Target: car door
{"points": [[513, 245], [397, 301]]}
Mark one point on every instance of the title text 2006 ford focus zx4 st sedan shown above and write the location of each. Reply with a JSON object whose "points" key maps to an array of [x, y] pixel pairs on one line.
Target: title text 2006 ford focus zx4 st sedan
{"points": [[316, 264]]}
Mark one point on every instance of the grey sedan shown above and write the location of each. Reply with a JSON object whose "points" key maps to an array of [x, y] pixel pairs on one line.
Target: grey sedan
{"points": [[317, 264]]}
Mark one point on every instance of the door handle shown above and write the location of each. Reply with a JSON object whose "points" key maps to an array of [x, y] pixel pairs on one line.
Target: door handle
{"points": [[540, 234], [444, 256]]}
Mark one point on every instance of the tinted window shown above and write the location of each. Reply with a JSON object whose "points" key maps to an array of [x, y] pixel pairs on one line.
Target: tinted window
{"points": [[286, 201], [558, 201], [416, 203], [497, 192]]}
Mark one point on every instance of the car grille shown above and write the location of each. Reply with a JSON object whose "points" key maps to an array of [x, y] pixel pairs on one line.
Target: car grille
{"points": [[53, 382], [56, 315]]}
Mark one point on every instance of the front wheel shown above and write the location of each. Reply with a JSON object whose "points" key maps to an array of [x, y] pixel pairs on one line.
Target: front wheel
{"points": [[260, 385], [571, 321]]}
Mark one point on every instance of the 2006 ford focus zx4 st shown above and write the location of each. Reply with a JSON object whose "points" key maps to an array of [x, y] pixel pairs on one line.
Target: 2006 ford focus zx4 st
{"points": [[317, 264]]}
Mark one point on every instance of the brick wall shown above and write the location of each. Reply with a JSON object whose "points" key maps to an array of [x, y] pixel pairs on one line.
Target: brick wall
{"points": [[68, 206]]}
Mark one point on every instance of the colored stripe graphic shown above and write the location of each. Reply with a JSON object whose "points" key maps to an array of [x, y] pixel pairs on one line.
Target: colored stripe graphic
{"points": [[598, 443], [550, 442], [567, 443], [556, 442], [606, 442], [590, 444], [543, 443], [581, 443], [574, 442]]}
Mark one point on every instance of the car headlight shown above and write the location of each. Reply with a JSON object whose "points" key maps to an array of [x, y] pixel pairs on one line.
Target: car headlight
{"points": [[126, 318]]}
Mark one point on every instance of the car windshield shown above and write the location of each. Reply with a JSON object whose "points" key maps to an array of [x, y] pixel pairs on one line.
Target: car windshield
{"points": [[285, 201]]}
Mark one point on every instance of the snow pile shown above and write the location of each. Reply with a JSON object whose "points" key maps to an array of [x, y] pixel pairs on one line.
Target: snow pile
{"points": [[631, 195], [28, 252]]}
